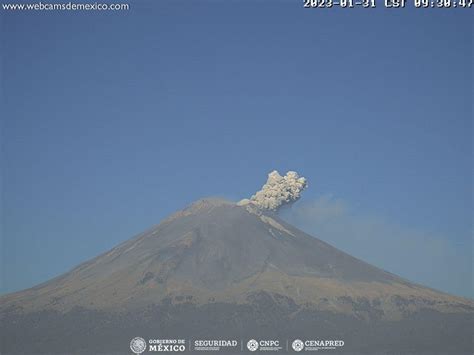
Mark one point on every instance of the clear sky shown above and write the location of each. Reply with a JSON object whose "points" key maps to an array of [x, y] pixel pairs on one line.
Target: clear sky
{"points": [[111, 121]]}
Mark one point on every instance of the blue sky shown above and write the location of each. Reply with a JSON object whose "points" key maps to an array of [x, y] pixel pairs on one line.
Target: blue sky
{"points": [[111, 121]]}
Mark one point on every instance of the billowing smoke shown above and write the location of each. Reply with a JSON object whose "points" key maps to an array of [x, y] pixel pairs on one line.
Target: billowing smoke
{"points": [[278, 191]]}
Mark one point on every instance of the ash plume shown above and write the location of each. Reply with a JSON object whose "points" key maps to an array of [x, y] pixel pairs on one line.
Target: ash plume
{"points": [[278, 191]]}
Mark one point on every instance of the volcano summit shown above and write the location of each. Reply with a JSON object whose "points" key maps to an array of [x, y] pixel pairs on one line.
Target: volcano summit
{"points": [[223, 270]]}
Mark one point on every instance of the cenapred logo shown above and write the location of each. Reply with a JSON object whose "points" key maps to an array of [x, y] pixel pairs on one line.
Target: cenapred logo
{"points": [[252, 345], [297, 345], [316, 344], [138, 345]]}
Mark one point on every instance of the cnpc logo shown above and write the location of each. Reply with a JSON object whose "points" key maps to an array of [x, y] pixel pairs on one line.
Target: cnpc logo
{"points": [[264, 345]]}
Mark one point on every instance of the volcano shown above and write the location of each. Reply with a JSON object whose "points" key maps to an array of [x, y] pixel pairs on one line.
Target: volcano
{"points": [[220, 270]]}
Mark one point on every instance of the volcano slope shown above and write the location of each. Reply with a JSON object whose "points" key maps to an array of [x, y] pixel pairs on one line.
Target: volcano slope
{"points": [[217, 270]]}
